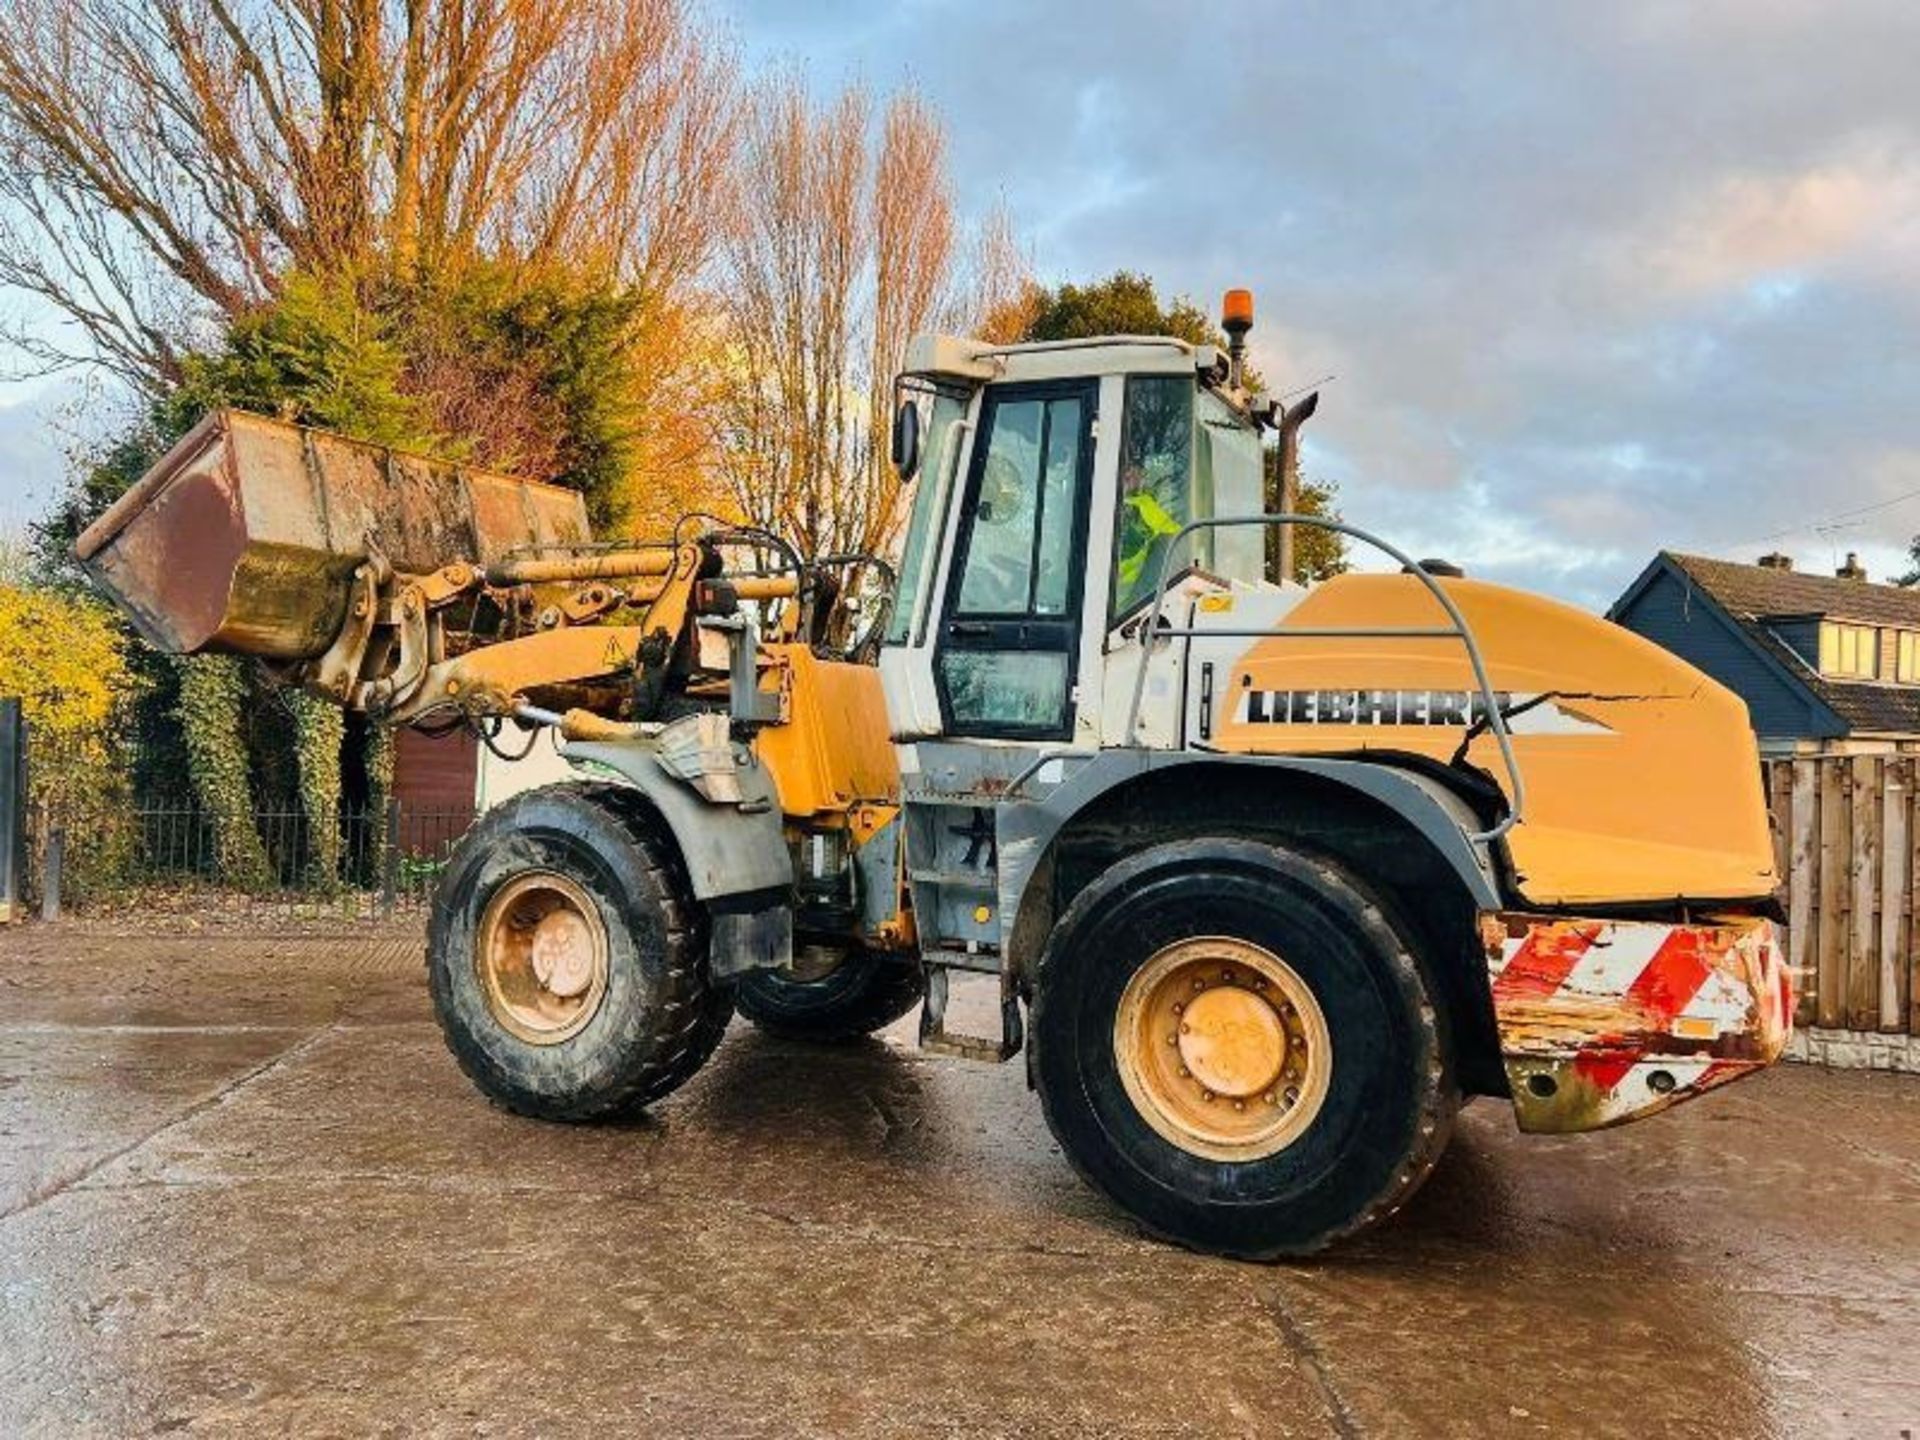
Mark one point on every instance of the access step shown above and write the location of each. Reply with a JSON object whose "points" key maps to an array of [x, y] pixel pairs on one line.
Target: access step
{"points": [[937, 1039]]}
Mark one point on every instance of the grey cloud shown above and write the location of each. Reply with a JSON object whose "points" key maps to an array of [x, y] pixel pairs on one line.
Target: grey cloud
{"points": [[1595, 279]]}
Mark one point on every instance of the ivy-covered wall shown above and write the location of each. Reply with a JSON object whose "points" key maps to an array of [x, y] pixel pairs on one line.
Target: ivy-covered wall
{"points": [[211, 708]]}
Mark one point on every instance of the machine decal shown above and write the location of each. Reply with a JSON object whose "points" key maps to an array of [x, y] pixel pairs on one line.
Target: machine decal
{"points": [[1526, 714], [1603, 1021]]}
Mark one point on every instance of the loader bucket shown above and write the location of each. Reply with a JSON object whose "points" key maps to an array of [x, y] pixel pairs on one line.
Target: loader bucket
{"points": [[244, 537]]}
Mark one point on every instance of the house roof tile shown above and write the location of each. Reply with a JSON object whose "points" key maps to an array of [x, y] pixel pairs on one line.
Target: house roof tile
{"points": [[1757, 590], [1753, 593]]}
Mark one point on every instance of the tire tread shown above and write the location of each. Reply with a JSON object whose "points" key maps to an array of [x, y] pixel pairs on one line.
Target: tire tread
{"points": [[696, 1011], [1440, 1096], [889, 991]]}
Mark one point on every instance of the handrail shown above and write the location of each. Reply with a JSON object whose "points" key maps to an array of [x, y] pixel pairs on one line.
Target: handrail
{"points": [[1152, 631]]}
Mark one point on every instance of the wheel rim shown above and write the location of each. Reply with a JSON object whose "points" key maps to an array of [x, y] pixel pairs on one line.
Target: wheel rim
{"points": [[541, 957], [1223, 1048]]}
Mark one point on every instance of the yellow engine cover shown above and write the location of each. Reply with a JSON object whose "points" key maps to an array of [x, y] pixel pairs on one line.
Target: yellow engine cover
{"points": [[831, 750], [1642, 775]]}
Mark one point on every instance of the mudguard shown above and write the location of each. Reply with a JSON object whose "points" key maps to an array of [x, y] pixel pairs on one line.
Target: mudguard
{"points": [[1026, 831], [735, 852]]}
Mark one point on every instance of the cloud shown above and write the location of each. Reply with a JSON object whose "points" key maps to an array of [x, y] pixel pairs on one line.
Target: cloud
{"points": [[1595, 280], [32, 463], [1855, 214]]}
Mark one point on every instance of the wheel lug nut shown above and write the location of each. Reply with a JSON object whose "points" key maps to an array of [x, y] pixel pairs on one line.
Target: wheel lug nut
{"points": [[1272, 1099], [1185, 1028], [1207, 1095], [1179, 1007], [1239, 1104], [1185, 1074], [1199, 984]]}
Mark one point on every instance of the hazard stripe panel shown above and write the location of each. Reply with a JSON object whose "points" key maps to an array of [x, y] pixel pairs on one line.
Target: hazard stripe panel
{"points": [[1604, 1021]]}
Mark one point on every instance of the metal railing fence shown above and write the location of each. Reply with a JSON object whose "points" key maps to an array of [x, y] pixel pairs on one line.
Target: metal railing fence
{"points": [[365, 863]]}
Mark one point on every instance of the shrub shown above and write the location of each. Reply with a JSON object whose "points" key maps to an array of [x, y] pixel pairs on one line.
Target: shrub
{"points": [[63, 656]]}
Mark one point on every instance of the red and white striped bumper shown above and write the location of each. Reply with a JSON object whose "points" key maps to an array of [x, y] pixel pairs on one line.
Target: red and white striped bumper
{"points": [[1603, 1021]]}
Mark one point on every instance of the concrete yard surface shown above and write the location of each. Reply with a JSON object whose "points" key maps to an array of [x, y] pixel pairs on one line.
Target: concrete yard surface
{"points": [[244, 1190]]}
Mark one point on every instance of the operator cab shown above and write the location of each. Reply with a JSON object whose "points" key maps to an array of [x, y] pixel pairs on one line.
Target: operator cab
{"points": [[1048, 482]]}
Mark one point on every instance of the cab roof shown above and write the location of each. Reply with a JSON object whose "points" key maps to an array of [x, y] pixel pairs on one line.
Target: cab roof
{"points": [[954, 357]]}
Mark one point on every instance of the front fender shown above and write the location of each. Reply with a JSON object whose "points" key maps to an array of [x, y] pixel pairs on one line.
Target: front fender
{"points": [[735, 852], [729, 849], [1026, 831]]}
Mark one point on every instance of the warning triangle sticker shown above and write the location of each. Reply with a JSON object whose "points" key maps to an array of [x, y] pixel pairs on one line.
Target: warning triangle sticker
{"points": [[614, 657]]}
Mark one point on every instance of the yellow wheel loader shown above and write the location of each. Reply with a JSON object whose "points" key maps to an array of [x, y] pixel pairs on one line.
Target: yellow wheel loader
{"points": [[1270, 877]]}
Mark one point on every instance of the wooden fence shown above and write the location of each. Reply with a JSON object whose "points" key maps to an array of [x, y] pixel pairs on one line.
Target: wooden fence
{"points": [[1848, 832]]}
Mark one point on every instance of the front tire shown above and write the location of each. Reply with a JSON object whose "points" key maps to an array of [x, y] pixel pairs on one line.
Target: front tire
{"points": [[1235, 1043], [567, 960]]}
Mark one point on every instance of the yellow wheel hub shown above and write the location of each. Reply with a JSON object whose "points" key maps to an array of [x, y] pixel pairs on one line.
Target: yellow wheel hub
{"points": [[1233, 1041], [1222, 1048], [541, 957]]}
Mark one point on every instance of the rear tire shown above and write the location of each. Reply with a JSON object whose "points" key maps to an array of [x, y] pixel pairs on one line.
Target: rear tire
{"points": [[567, 960], [1321, 1005], [863, 993]]}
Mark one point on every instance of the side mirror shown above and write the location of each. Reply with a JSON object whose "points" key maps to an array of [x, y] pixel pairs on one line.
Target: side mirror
{"points": [[906, 438]]}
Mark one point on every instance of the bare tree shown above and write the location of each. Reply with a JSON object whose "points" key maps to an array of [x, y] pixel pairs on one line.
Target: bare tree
{"points": [[1003, 296], [845, 244], [164, 163]]}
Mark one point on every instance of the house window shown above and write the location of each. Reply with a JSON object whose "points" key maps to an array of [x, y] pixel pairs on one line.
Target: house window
{"points": [[1849, 651], [1906, 657]]}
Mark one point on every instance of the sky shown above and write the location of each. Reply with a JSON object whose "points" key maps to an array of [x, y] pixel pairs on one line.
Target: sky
{"points": [[1593, 280]]}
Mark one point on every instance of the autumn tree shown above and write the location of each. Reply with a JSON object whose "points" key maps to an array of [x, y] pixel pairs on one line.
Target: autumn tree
{"points": [[473, 227], [844, 245], [168, 163], [1125, 303]]}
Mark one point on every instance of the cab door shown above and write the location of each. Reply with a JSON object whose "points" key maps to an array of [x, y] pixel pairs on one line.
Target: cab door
{"points": [[1008, 640]]}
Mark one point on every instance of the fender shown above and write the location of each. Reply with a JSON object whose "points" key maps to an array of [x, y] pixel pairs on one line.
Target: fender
{"points": [[736, 854], [1026, 831]]}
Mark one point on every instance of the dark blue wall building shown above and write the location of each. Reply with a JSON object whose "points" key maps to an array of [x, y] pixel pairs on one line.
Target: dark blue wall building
{"points": [[1823, 661]]}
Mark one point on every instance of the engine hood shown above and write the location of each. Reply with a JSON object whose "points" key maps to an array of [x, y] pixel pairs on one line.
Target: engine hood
{"points": [[1642, 776]]}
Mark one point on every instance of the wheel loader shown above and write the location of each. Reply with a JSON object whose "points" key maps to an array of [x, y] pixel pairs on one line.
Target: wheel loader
{"points": [[1270, 878]]}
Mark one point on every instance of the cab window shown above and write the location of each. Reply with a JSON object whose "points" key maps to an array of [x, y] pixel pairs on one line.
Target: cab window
{"points": [[1020, 545], [1005, 660], [1156, 477], [909, 617], [1230, 479], [1174, 470]]}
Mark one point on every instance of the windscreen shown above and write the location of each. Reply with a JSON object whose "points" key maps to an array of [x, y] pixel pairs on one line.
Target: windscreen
{"points": [[933, 485]]}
